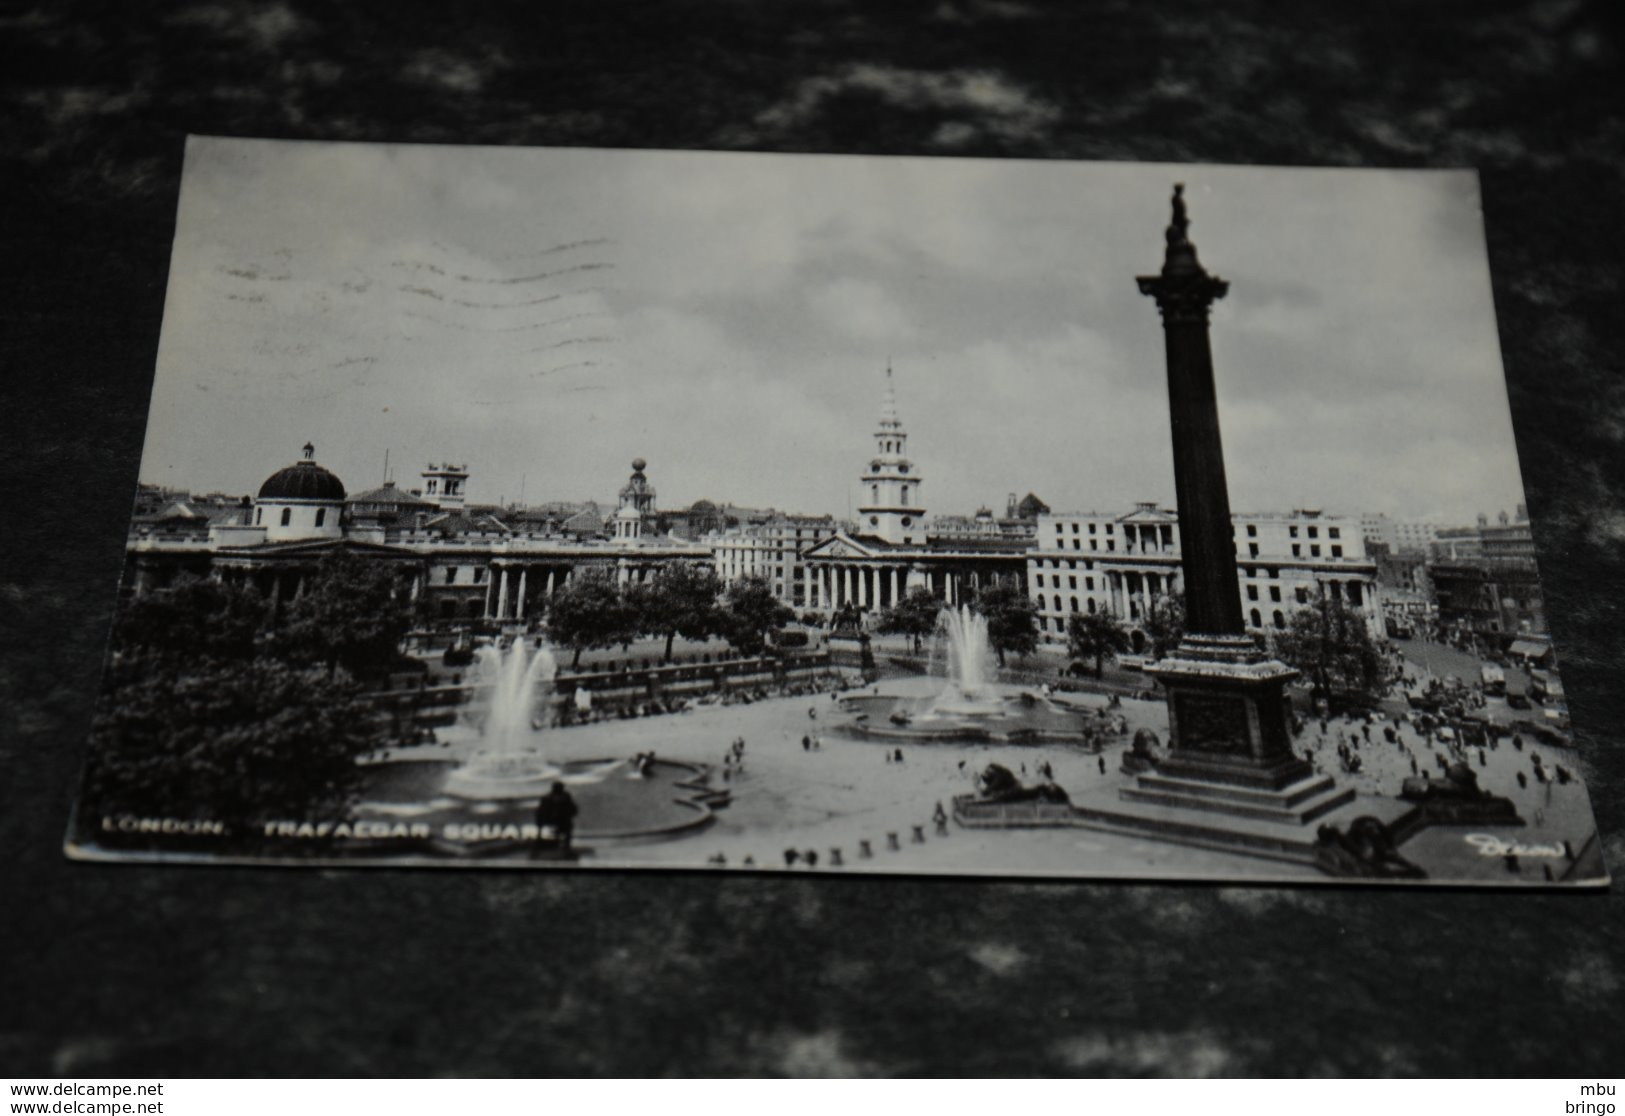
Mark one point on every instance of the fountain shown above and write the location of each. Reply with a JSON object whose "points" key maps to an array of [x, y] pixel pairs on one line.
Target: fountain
{"points": [[508, 763], [970, 691], [971, 705], [484, 804]]}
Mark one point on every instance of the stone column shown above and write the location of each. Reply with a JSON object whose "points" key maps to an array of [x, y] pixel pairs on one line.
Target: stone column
{"points": [[547, 589], [519, 606], [502, 594], [1184, 292], [895, 581]]}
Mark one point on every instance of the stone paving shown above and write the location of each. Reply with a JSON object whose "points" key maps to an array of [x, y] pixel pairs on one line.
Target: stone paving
{"points": [[844, 792]]}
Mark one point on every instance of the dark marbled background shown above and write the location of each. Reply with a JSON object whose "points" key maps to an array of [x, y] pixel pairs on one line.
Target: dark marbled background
{"points": [[151, 971]]}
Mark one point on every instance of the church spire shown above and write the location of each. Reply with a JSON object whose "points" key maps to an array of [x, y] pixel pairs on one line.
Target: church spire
{"points": [[891, 507], [888, 403]]}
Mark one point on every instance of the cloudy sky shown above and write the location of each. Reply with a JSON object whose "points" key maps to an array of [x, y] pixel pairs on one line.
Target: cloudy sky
{"points": [[547, 315]]}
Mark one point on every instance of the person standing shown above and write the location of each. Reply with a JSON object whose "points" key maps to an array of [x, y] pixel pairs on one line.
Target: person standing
{"points": [[557, 811]]}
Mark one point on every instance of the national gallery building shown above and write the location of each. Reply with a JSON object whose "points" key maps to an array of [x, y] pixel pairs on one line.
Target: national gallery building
{"points": [[464, 563]]}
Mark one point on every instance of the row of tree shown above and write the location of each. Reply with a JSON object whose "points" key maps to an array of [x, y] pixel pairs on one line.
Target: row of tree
{"points": [[681, 600]]}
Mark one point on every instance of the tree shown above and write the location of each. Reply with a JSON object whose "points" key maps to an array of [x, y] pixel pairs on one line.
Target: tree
{"points": [[228, 739], [749, 612], [681, 601], [1164, 623], [1330, 643], [350, 613], [210, 712], [915, 616], [588, 612], [194, 618], [1097, 636], [1012, 620]]}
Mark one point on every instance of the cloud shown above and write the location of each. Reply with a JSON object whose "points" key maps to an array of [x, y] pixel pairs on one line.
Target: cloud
{"points": [[862, 310], [986, 101]]}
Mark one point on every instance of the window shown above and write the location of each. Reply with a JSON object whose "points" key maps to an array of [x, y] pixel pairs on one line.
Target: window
{"points": [[259, 516], [1057, 602], [1258, 621], [905, 494], [1334, 532], [1039, 581], [1314, 532], [1111, 544], [1091, 528], [1252, 531], [1275, 592], [1074, 604], [1337, 551], [1072, 583], [1089, 584], [321, 516], [1297, 550], [1302, 595], [1252, 550], [1074, 528], [1075, 545], [1093, 545], [1314, 551], [287, 516], [479, 575], [1280, 621], [1292, 531], [451, 575], [1252, 595], [1059, 527], [874, 493]]}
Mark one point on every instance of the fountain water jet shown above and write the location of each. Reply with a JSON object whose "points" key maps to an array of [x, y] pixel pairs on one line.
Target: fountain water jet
{"points": [[509, 763], [969, 692]]}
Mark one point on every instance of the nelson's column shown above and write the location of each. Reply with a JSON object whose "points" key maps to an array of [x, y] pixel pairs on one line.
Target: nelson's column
{"points": [[1229, 745]]}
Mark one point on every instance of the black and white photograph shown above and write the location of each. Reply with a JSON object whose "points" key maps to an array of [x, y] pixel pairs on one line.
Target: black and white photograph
{"points": [[556, 509]]}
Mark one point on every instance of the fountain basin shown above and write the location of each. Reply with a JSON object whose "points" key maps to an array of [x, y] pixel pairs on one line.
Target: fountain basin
{"points": [[616, 805]]}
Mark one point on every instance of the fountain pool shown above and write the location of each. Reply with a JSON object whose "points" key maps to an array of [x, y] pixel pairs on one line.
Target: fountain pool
{"points": [[971, 705]]}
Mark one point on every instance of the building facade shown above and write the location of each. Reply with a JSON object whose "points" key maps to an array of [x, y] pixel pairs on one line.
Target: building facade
{"points": [[458, 563], [1090, 562], [771, 551]]}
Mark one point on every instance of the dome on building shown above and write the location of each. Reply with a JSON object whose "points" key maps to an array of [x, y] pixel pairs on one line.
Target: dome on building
{"points": [[304, 480]]}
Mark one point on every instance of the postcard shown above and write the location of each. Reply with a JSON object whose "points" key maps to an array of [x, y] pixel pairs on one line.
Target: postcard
{"points": [[571, 509]]}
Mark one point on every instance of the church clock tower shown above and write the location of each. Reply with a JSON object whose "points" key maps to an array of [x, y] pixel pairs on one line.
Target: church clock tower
{"points": [[890, 506]]}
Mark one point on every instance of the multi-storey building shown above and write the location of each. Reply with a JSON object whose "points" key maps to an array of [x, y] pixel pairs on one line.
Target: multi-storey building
{"points": [[1121, 563], [1398, 535], [771, 551], [458, 562]]}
